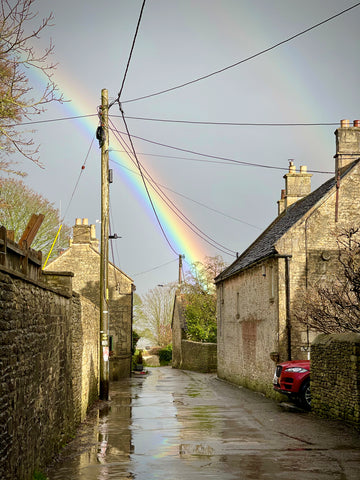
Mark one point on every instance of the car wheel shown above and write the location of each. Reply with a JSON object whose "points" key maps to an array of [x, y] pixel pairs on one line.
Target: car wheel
{"points": [[305, 395]]}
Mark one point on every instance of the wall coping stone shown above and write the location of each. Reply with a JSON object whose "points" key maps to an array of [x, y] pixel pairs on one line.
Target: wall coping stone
{"points": [[41, 284], [327, 338]]}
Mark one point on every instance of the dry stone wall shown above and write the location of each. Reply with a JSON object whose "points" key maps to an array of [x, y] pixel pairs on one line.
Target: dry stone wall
{"points": [[199, 357], [48, 364], [335, 377]]}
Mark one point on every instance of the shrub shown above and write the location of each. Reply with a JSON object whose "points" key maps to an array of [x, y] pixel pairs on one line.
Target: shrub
{"points": [[135, 339], [39, 476], [137, 359], [165, 355], [200, 315]]}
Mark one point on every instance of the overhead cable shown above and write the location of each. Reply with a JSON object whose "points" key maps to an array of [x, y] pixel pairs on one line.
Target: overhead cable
{"points": [[191, 122], [154, 268], [145, 185], [226, 159], [117, 100], [190, 199], [245, 59], [180, 214], [235, 124], [51, 120], [78, 179]]}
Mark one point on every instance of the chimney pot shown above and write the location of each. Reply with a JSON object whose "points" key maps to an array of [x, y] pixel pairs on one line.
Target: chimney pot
{"points": [[292, 168], [303, 169], [344, 123], [356, 123], [78, 221], [85, 221]]}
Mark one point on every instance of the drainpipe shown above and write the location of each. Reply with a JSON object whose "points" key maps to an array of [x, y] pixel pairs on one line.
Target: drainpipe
{"points": [[131, 325], [287, 290], [287, 300]]}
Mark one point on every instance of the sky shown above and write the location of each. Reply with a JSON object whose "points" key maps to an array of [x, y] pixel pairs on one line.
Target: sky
{"points": [[310, 79]]}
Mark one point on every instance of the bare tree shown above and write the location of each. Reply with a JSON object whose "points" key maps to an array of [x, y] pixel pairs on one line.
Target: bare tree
{"points": [[153, 314], [18, 99], [334, 307], [202, 274]]}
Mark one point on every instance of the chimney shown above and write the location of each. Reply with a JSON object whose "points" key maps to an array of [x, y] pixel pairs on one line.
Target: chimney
{"points": [[281, 202], [347, 144], [297, 185], [94, 240], [81, 231]]}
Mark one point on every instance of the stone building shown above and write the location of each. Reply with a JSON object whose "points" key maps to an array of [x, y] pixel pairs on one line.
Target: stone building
{"points": [[83, 259], [256, 292]]}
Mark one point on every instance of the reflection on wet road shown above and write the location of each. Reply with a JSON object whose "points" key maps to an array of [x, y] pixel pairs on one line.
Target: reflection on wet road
{"points": [[178, 425]]}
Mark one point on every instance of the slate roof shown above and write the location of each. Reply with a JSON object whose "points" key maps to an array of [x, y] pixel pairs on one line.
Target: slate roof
{"points": [[264, 245]]}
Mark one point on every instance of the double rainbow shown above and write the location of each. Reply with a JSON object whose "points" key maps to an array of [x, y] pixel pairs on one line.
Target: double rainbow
{"points": [[179, 236]]}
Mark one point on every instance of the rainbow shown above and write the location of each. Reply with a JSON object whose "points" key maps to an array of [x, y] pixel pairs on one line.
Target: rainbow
{"points": [[179, 236]]}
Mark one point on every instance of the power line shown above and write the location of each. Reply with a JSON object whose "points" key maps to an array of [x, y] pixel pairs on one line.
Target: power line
{"points": [[154, 268], [181, 215], [51, 120], [226, 159], [213, 209], [117, 100], [191, 199], [191, 122], [245, 59], [236, 124], [145, 185], [78, 180]]}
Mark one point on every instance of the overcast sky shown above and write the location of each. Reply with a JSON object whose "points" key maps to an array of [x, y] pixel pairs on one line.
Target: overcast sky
{"points": [[312, 79]]}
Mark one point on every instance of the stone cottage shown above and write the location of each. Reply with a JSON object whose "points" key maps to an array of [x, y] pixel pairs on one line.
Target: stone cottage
{"points": [[255, 294], [83, 259]]}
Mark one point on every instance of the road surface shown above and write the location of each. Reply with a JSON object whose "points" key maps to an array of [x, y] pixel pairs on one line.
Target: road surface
{"points": [[179, 425]]}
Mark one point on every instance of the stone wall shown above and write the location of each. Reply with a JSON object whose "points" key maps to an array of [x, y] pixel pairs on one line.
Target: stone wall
{"points": [[335, 377], [199, 357], [48, 361]]}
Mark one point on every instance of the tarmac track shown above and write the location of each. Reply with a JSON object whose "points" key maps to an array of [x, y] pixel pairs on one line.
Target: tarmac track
{"points": [[179, 425]]}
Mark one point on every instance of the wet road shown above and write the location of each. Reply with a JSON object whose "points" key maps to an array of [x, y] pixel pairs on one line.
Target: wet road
{"points": [[178, 425]]}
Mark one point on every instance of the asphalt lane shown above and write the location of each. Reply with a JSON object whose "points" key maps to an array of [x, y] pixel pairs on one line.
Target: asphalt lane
{"points": [[176, 425]]}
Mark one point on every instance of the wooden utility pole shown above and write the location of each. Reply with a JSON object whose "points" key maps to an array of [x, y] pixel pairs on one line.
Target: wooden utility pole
{"points": [[180, 267], [103, 137]]}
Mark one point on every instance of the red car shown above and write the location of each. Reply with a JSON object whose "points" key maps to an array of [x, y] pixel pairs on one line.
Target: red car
{"points": [[293, 379]]}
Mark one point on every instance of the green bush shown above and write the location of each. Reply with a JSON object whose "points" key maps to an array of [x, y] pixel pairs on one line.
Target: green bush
{"points": [[200, 315], [137, 359], [39, 476], [135, 339], [165, 355]]}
